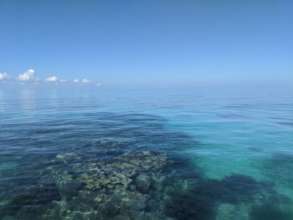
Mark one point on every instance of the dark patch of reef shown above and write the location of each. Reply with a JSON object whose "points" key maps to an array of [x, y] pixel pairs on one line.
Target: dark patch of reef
{"points": [[234, 197]]}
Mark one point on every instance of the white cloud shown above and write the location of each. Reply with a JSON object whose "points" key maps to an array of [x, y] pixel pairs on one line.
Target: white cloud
{"points": [[3, 76], [76, 80], [27, 75], [52, 79], [85, 80]]}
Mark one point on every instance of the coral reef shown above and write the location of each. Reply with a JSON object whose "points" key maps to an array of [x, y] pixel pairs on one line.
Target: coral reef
{"points": [[124, 187]]}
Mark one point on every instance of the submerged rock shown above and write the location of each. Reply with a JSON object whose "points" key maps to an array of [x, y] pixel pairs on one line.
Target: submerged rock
{"points": [[143, 183]]}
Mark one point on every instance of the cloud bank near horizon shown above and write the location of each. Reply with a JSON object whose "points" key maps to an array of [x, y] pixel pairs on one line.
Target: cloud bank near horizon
{"points": [[3, 76], [52, 78], [30, 76]]}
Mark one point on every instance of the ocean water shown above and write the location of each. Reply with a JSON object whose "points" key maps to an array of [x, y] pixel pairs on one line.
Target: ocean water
{"points": [[184, 153]]}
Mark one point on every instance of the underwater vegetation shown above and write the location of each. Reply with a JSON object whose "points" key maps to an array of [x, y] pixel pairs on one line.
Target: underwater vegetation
{"points": [[122, 167]]}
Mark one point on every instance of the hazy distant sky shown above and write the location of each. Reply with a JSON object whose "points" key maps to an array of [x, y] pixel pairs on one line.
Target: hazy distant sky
{"points": [[152, 41]]}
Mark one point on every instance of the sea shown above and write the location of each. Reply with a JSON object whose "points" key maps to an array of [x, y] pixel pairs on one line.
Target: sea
{"points": [[83, 152]]}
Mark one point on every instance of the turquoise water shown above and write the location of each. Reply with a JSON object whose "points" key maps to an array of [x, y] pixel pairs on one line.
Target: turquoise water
{"points": [[86, 153]]}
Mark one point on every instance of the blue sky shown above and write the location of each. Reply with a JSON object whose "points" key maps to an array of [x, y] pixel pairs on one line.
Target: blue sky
{"points": [[148, 41]]}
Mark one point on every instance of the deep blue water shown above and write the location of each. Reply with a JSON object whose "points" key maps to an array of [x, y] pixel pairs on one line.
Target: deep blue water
{"points": [[95, 153]]}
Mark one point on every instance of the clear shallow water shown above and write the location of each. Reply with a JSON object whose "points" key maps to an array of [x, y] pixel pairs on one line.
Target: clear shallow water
{"points": [[87, 153]]}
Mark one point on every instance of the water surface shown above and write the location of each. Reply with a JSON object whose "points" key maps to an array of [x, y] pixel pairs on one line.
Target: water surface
{"points": [[200, 153]]}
